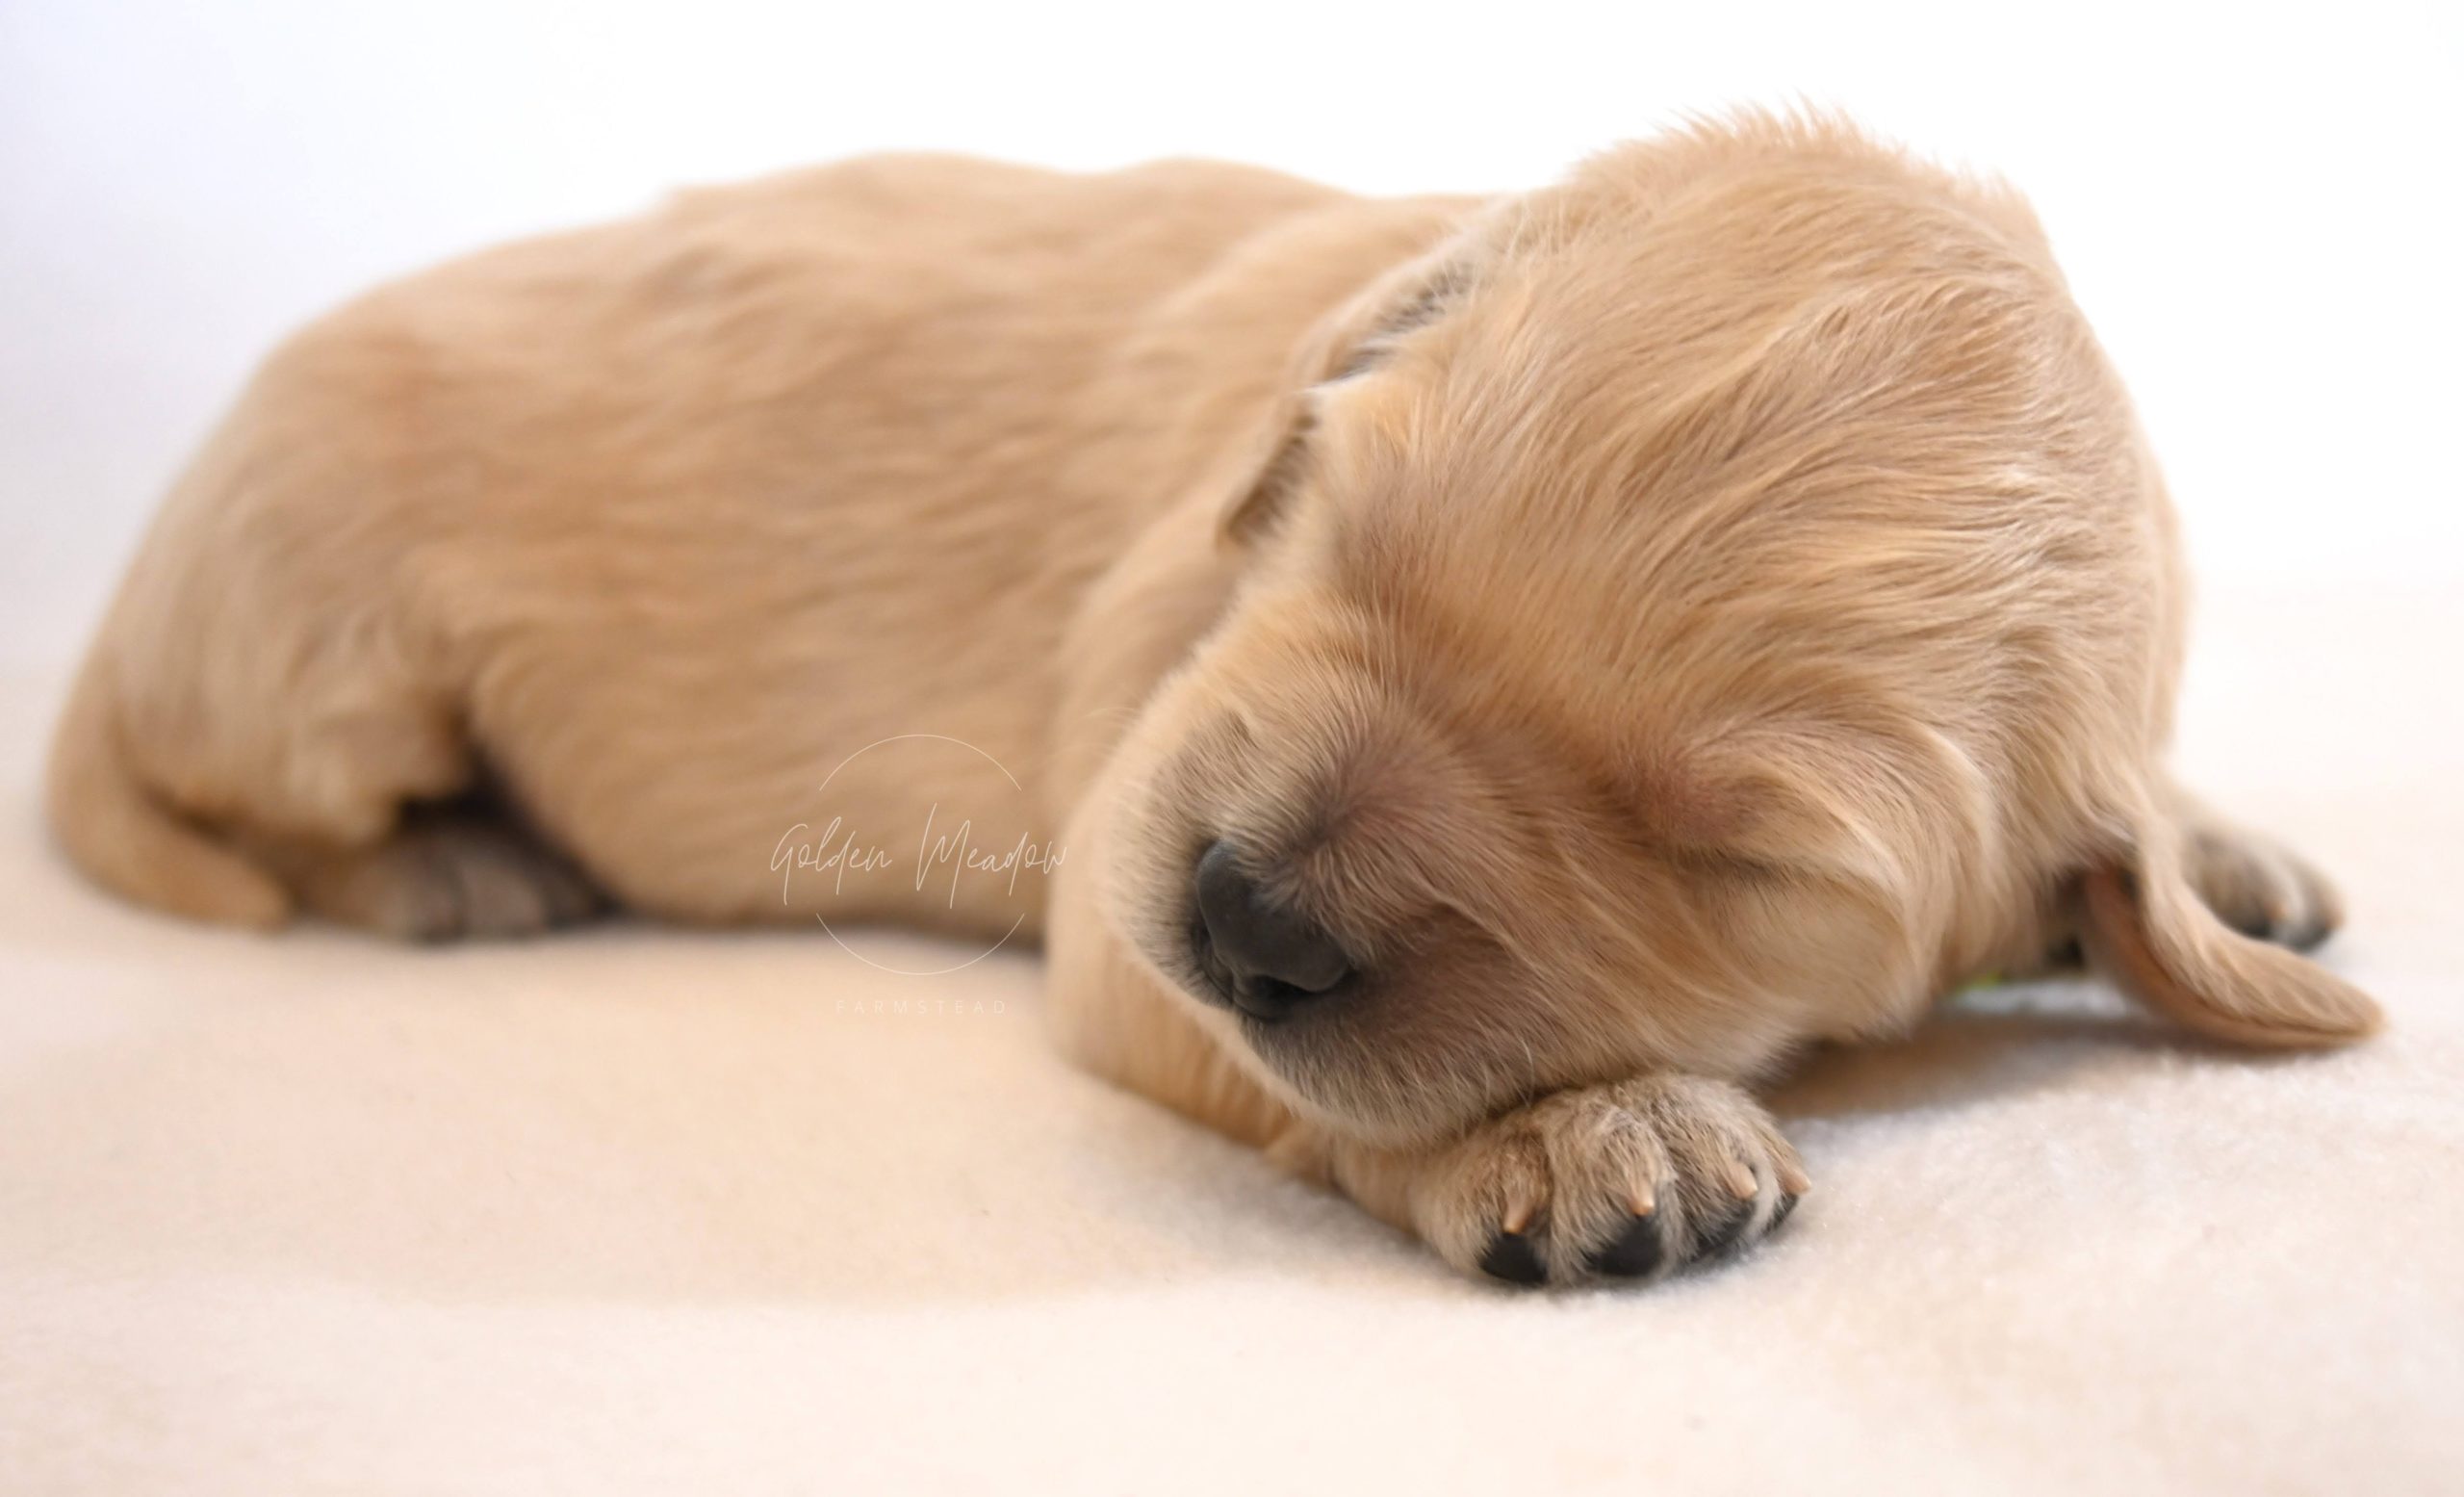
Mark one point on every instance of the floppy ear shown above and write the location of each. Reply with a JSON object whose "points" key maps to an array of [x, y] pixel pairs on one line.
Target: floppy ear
{"points": [[1143, 613], [1269, 463], [1349, 341], [2147, 928]]}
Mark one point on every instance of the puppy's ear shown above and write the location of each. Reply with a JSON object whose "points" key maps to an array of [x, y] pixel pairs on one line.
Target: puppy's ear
{"points": [[1268, 467], [2145, 928], [1351, 341]]}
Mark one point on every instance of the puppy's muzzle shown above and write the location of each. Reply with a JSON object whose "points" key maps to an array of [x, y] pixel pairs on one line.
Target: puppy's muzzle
{"points": [[1263, 959]]}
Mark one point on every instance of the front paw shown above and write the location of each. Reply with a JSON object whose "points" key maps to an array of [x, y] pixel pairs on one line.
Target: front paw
{"points": [[1630, 1180]]}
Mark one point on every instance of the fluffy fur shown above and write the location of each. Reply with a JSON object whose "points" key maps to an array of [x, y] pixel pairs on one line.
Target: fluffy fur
{"points": [[1720, 601]]}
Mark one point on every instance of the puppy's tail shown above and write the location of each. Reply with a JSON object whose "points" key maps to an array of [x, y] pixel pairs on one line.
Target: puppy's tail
{"points": [[125, 838], [2147, 929]]}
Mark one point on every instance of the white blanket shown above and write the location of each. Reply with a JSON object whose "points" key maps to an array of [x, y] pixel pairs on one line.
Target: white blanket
{"points": [[640, 1211]]}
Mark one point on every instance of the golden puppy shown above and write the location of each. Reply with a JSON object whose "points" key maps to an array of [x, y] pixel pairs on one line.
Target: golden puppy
{"points": [[1460, 686]]}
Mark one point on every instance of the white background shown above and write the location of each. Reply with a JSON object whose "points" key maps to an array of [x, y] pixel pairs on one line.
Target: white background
{"points": [[652, 1211], [2256, 204]]}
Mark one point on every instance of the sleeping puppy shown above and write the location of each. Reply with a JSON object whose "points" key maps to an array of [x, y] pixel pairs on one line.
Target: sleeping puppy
{"points": [[1494, 677]]}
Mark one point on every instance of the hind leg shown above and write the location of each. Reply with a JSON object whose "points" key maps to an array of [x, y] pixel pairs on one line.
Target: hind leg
{"points": [[358, 793], [443, 874], [367, 812], [357, 790], [2255, 885]]}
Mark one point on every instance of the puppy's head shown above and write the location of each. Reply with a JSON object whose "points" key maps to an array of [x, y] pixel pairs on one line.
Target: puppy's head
{"points": [[1702, 607]]}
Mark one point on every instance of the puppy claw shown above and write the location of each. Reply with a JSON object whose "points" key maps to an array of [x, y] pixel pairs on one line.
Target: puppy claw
{"points": [[1793, 1179], [1740, 1180]]}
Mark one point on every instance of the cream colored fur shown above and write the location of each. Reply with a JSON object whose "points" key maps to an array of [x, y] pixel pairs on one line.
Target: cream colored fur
{"points": [[1718, 602]]}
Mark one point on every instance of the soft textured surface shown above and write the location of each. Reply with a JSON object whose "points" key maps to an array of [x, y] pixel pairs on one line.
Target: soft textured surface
{"points": [[645, 1211]]}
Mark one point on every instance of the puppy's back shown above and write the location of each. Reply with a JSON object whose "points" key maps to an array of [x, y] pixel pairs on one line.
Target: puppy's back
{"points": [[504, 495]]}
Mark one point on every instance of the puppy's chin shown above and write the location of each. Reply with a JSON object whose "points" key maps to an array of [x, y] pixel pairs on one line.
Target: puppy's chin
{"points": [[1355, 1063], [1152, 924], [1325, 1066], [1335, 1073]]}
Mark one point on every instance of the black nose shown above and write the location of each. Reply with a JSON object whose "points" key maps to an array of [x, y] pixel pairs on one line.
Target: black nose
{"points": [[1273, 958]]}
